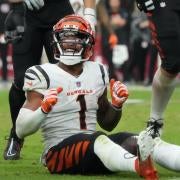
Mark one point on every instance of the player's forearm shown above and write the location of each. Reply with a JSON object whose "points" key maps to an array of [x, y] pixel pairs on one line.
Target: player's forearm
{"points": [[28, 122], [90, 13], [90, 4], [109, 118]]}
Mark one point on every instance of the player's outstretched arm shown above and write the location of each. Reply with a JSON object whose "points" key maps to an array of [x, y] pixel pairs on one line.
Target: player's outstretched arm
{"points": [[90, 12], [109, 114], [34, 111], [104, 19]]}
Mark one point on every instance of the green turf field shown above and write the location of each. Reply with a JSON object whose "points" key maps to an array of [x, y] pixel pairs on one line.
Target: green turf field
{"points": [[134, 119]]}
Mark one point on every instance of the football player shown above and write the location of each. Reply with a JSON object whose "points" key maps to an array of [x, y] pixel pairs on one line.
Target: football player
{"points": [[67, 100]]}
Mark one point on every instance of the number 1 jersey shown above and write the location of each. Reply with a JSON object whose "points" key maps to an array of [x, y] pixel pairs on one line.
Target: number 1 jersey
{"points": [[77, 105]]}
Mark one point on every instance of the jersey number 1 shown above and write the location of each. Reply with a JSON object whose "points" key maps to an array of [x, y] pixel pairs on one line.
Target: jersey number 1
{"points": [[82, 114]]}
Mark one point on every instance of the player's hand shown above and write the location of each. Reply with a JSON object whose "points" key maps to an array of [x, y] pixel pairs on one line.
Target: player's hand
{"points": [[90, 16], [113, 40], [150, 5], [50, 99], [34, 4], [15, 22], [119, 93]]}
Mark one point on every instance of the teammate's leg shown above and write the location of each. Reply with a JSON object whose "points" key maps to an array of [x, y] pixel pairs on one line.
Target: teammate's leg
{"points": [[162, 89], [165, 27]]}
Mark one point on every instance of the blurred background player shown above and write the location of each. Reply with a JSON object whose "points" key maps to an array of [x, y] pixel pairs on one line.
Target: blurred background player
{"points": [[140, 38], [67, 99], [142, 50], [119, 24], [164, 19], [29, 25]]}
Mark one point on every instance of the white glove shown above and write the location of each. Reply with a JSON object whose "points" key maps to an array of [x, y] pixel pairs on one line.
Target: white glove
{"points": [[34, 4], [90, 16]]}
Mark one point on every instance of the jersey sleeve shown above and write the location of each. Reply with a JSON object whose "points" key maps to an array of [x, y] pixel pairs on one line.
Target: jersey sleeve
{"points": [[36, 79], [104, 74]]}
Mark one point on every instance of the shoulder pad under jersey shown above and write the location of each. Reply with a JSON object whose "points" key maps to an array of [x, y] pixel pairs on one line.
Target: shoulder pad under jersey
{"points": [[36, 78]]}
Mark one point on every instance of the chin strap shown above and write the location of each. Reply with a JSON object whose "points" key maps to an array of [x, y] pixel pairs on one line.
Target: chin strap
{"points": [[71, 60]]}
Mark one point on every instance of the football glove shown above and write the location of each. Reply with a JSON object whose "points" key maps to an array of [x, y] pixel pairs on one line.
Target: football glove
{"points": [[113, 40], [34, 4], [150, 5], [90, 16], [15, 22], [119, 93], [50, 99]]}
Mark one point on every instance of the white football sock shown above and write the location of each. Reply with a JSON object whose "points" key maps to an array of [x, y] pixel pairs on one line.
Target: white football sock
{"points": [[162, 89], [113, 156], [167, 154]]}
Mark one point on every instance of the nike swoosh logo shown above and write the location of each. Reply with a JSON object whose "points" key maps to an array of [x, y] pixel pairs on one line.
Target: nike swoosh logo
{"points": [[9, 153]]}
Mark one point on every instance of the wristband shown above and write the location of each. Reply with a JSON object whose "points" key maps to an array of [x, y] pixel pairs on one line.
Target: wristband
{"points": [[90, 11], [116, 108]]}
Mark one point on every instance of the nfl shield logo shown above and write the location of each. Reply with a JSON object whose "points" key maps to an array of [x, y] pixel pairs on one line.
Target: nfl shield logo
{"points": [[78, 84]]}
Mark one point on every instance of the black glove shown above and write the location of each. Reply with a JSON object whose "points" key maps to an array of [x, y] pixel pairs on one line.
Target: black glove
{"points": [[15, 22], [150, 5]]}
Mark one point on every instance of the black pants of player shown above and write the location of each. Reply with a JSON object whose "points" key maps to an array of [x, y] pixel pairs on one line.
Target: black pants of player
{"points": [[165, 29], [27, 52], [3, 54], [75, 155]]}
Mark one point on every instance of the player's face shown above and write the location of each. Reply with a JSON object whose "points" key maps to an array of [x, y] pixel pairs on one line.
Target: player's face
{"points": [[71, 43]]}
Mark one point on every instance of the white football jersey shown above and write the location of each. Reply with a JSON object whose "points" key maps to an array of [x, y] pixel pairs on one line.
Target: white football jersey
{"points": [[76, 109]]}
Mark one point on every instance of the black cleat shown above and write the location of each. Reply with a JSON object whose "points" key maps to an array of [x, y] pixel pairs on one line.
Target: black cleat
{"points": [[13, 149], [155, 127]]}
